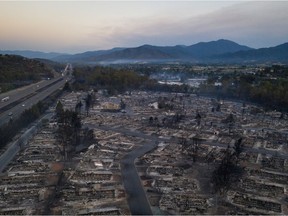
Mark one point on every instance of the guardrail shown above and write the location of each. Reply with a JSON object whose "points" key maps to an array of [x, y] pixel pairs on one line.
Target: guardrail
{"points": [[21, 100], [21, 143]]}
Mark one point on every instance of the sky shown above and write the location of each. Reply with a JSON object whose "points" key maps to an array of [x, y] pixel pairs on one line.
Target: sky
{"points": [[79, 26]]}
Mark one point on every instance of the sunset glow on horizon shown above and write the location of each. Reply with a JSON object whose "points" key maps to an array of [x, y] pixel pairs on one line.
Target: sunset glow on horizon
{"points": [[77, 26]]}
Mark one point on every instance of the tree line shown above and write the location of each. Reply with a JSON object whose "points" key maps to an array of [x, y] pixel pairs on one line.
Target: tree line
{"points": [[70, 133], [119, 80], [113, 80], [266, 88], [17, 71], [10, 129]]}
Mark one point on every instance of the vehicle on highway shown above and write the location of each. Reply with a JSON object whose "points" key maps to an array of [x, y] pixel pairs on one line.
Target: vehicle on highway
{"points": [[10, 114], [5, 99]]}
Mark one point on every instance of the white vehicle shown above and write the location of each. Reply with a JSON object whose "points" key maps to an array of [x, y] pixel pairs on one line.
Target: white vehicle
{"points": [[5, 99]]}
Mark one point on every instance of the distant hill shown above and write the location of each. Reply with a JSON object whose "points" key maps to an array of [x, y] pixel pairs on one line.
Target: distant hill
{"points": [[150, 53], [220, 51], [272, 54], [86, 56], [31, 54], [206, 49], [144, 52]]}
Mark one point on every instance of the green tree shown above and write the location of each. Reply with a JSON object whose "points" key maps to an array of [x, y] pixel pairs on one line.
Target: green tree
{"points": [[227, 173], [59, 109]]}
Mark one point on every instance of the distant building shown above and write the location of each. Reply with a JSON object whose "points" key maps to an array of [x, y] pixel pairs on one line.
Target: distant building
{"points": [[110, 107], [217, 84]]}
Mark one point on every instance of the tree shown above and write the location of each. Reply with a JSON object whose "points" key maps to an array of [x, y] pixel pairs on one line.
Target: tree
{"points": [[238, 147], [151, 119], [230, 121], [59, 109], [69, 126], [67, 87], [227, 173], [122, 104], [88, 136], [76, 125], [218, 107], [88, 103], [198, 118], [196, 140], [78, 107]]}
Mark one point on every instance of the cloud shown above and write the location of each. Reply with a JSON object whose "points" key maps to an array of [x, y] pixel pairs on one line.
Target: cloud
{"points": [[256, 24], [77, 26]]}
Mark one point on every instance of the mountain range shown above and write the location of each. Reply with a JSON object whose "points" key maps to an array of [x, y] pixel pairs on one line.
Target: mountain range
{"points": [[220, 51], [31, 54]]}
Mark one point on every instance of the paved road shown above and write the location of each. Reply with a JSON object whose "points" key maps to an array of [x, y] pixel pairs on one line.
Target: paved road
{"points": [[33, 94], [137, 199], [29, 102], [15, 146], [18, 93], [208, 142], [18, 109], [122, 130]]}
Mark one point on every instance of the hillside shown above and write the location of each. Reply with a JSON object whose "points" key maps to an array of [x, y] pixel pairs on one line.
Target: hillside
{"points": [[31, 54], [150, 53], [206, 49], [194, 53], [17, 71], [220, 51], [272, 54], [86, 56]]}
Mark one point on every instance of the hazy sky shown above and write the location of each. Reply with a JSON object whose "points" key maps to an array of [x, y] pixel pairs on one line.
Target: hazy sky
{"points": [[77, 26]]}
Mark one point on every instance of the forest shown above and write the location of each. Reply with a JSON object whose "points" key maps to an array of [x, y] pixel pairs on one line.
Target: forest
{"points": [[10, 129], [119, 80], [267, 87], [16, 71], [113, 80]]}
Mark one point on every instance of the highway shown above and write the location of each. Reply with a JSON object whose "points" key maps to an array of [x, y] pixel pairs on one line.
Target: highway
{"points": [[25, 97], [18, 93], [16, 145]]}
